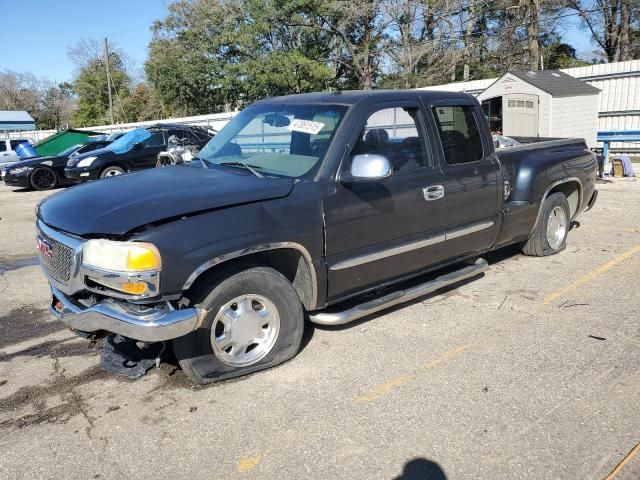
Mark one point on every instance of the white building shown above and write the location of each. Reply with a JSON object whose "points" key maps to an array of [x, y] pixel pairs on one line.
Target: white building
{"points": [[546, 103], [619, 85]]}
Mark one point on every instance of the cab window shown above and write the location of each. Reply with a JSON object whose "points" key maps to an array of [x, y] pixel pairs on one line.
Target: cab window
{"points": [[394, 133]]}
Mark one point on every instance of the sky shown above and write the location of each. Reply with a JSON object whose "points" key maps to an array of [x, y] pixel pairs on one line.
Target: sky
{"points": [[36, 36]]}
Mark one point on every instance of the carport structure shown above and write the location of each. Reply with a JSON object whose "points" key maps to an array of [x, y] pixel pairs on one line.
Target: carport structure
{"points": [[546, 103], [12, 120]]}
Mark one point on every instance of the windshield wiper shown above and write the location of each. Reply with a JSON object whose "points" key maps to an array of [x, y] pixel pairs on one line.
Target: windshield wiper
{"points": [[251, 168]]}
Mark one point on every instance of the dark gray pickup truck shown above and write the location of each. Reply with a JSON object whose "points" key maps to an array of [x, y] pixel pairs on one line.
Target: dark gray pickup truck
{"points": [[317, 206]]}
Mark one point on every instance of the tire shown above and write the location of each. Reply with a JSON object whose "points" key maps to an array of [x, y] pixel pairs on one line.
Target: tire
{"points": [[111, 172], [258, 293], [43, 178], [554, 217]]}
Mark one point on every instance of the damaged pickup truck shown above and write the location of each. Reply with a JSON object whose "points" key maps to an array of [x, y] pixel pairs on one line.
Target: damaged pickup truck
{"points": [[316, 206]]}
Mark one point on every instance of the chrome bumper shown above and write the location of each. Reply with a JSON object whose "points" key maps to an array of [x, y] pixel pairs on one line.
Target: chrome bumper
{"points": [[110, 316]]}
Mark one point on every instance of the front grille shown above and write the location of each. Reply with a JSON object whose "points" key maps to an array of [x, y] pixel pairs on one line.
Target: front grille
{"points": [[59, 263]]}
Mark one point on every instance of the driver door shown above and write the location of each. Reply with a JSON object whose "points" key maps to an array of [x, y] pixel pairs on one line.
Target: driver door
{"points": [[391, 228], [146, 155]]}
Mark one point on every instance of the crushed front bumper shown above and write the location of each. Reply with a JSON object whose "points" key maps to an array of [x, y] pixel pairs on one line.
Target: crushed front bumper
{"points": [[112, 316]]}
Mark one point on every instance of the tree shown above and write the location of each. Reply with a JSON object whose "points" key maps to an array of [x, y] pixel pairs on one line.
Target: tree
{"points": [[610, 24], [560, 55], [50, 105], [143, 103], [90, 84], [58, 106], [215, 55], [419, 43]]}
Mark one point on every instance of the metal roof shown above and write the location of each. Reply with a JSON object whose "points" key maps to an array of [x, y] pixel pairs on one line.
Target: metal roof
{"points": [[16, 120], [556, 83]]}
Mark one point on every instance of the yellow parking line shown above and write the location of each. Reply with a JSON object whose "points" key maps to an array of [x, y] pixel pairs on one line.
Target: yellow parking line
{"points": [[591, 275], [634, 451], [387, 387], [246, 464]]}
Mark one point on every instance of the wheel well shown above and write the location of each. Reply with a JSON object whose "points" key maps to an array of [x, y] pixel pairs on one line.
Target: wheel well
{"points": [[113, 164], [290, 262], [571, 190]]}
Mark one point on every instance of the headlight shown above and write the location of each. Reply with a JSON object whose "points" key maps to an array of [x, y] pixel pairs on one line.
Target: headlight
{"points": [[19, 170], [85, 162], [126, 257]]}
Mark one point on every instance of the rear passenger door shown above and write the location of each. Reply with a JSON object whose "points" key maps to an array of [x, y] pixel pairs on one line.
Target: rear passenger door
{"points": [[377, 232], [471, 178]]}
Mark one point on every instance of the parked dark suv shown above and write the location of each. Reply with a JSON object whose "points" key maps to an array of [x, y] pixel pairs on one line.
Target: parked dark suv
{"points": [[135, 150]]}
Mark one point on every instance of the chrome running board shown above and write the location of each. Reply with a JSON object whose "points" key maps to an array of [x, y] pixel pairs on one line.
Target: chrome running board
{"points": [[400, 296]]}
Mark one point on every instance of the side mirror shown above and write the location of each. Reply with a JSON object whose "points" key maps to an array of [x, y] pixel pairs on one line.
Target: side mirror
{"points": [[368, 167], [137, 146]]}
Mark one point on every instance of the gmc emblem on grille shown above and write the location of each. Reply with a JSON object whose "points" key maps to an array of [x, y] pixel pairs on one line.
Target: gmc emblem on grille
{"points": [[43, 247]]}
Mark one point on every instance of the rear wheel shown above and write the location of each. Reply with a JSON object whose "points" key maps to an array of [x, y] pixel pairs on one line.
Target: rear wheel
{"points": [[43, 178], [550, 234], [255, 321], [111, 172]]}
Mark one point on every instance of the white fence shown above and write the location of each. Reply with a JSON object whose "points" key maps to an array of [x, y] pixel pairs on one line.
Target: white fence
{"points": [[214, 120]]}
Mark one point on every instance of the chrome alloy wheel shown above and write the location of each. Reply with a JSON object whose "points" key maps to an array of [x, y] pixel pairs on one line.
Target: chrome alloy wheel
{"points": [[556, 227], [245, 330], [112, 173]]}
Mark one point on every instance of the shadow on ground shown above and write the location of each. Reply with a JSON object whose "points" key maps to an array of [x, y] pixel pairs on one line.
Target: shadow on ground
{"points": [[421, 469]]}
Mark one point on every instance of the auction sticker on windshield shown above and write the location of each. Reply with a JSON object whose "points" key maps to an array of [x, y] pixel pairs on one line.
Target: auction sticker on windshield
{"points": [[305, 126]]}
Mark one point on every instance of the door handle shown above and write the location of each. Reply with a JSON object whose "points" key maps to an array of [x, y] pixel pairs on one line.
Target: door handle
{"points": [[433, 192]]}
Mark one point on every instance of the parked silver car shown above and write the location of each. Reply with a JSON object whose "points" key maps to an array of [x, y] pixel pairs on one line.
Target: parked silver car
{"points": [[8, 150]]}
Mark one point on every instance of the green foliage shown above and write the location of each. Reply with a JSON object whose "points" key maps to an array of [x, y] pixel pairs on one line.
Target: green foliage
{"points": [[212, 55], [91, 89], [561, 55]]}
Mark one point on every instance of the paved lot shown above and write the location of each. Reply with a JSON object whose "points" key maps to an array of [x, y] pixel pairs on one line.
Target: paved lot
{"points": [[532, 371]]}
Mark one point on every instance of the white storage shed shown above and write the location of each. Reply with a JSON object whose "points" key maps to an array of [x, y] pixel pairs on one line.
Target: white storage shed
{"points": [[546, 103]]}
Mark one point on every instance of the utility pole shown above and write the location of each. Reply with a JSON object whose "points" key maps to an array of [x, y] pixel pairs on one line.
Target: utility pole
{"points": [[106, 63], [533, 34]]}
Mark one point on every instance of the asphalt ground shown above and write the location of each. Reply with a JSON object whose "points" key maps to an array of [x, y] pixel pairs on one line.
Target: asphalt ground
{"points": [[532, 371]]}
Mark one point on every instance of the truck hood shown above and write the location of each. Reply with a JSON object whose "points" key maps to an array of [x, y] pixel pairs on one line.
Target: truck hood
{"points": [[116, 205]]}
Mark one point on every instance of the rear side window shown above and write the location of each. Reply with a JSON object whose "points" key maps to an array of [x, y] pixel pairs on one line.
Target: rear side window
{"points": [[15, 143], [3, 146], [459, 133]]}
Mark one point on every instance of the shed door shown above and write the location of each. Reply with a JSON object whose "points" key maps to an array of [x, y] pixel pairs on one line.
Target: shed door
{"points": [[520, 115]]}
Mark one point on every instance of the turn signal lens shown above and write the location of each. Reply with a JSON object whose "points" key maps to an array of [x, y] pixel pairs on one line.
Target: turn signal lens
{"points": [[133, 288], [140, 259]]}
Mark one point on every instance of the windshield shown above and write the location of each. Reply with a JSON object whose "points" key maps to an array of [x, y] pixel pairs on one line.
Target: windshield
{"points": [[280, 140], [69, 150], [128, 140]]}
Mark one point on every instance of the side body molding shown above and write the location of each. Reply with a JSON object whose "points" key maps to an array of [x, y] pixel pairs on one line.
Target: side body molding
{"points": [[256, 249]]}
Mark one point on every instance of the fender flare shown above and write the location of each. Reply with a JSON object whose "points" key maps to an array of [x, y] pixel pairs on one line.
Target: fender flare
{"points": [[257, 249], [551, 187]]}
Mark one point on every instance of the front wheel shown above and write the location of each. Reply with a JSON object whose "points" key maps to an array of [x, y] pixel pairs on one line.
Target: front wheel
{"points": [[111, 172], [550, 233], [43, 178], [254, 321]]}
